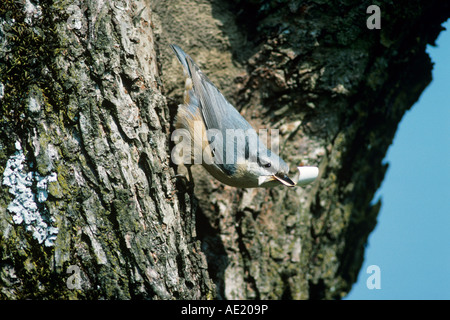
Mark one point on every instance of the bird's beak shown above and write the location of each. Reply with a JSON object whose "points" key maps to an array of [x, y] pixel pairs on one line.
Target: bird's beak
{"points": [[284, 179]]}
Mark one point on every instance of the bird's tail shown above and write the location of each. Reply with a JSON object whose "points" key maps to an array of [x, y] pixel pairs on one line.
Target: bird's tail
{"points": [[183, 58], [189, 68]]}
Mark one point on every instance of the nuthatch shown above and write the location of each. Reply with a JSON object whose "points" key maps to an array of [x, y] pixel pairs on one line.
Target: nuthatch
{"points": [[232, 151]]}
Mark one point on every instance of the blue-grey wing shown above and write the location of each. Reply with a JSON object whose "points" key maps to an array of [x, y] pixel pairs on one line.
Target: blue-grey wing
{"points": [[218, 114], [217, 111]]}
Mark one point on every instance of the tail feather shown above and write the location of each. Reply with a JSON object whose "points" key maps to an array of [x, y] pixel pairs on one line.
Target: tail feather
{"points": [[183, 58]]}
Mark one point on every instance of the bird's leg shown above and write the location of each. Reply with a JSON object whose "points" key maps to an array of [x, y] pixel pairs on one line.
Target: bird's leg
{"points": [[188, 182]]}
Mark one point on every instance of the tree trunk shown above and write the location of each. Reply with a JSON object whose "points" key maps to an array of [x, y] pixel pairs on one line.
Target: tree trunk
{"points": [[92, 112], [89, 203]]}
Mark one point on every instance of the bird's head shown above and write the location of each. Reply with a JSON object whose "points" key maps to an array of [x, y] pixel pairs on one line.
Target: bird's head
{"points": [[269, 169]]}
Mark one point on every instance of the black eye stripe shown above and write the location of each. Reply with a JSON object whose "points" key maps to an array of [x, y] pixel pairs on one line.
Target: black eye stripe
{"points": [[266, 165]]}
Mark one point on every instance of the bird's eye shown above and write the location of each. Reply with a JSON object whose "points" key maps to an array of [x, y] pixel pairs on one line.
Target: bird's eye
{"points": [[268, 165]]}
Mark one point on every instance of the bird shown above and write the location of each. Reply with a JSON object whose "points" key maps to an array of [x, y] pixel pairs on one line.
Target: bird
{"points": [[229, 148]]}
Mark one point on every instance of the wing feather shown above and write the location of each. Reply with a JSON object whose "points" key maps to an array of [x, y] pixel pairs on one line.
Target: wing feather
{"points": [[218, 114]]}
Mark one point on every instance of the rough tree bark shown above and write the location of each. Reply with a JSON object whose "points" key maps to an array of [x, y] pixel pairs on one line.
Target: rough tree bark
{"points": [[92, 112], [89, 203]]}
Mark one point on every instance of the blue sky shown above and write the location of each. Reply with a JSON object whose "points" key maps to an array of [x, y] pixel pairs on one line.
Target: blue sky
{"points": [[411, 242]]}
